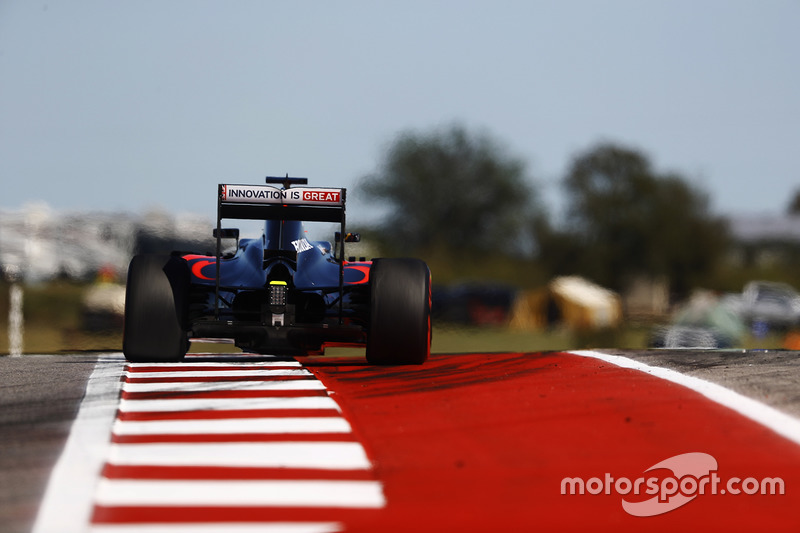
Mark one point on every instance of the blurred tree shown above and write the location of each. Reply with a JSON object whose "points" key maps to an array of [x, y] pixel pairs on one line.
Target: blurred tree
{"points": [[451, 191], [626, 221], [794, 204]]}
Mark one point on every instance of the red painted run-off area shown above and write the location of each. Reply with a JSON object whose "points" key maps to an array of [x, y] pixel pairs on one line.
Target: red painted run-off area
{"points": [[482, 442]]}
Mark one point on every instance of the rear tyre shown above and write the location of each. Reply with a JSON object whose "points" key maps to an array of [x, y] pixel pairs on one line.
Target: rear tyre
{"points": [[400, 312], [156, 305]]}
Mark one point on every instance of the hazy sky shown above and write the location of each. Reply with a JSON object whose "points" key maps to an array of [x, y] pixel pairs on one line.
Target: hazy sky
{"points": [[109, 105]]}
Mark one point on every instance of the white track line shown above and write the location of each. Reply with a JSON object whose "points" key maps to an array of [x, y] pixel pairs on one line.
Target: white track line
{"points": [[67, 503], [779, 422]]}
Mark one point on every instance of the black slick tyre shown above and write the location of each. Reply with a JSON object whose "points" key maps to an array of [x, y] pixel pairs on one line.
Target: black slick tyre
{"points": [[400, 310], [156, 304]]}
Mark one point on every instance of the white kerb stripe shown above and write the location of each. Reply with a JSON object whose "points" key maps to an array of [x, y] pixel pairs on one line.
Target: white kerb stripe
{"points": [[323, 455], [240, 361], [173, 405], [279, 493], [243, 363], [229, 527], [781, 423], [220, 373], [208, 386], [220, 426]]}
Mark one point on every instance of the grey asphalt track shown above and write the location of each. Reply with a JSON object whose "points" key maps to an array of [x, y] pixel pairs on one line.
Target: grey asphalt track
{"points": [[770, 376], [39, 398]]}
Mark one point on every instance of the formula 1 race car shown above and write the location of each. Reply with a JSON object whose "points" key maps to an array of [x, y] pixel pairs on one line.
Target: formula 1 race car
{"points": [[281, 293]]}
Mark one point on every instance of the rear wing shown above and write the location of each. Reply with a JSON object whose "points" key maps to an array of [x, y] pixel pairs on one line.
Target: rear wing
{"points": [[265, 202]]}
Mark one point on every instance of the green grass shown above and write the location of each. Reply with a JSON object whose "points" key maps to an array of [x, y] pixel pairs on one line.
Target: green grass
{"points": [[41, 338], [45, 339], [50, 339], [496, 339], [53, 325]]}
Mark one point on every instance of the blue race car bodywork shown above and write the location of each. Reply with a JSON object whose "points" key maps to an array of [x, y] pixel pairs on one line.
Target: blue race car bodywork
{"points": [[280, 293], [311, 311]]}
